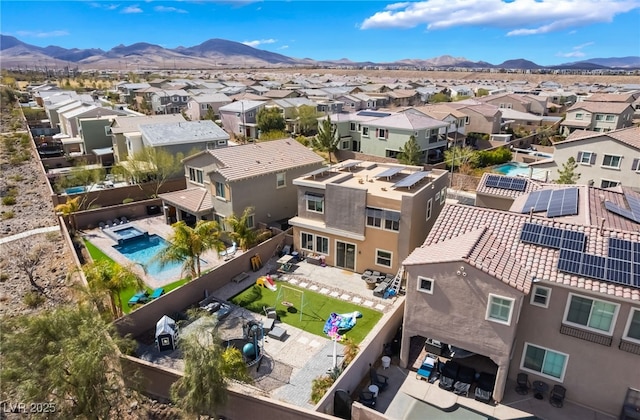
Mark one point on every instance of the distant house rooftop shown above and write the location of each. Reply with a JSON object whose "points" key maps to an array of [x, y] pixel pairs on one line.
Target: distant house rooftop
{"points": [[166, 134]]}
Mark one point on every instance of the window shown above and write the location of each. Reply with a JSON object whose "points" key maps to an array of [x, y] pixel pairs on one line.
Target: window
{"points": [[195, 175], [250, 221], [107, 130], [592, 314], [606, 183], [579, 115], [466, 120], [322, 245], [443, 195], [425, 285], [429, 208], [386, 219], [599, 117], [499, 309], [540, 296], [635, 165], [546, 362], [437, 197], [314, 243], [220, 190], [315, 203], [632, 331], [586, 158], [352, 126], [281, 179], [611, 161], [391, 220], [374, 217], [383, 257], [382, 133], [345, 145], [365, 131], [610, 118], [306, 241]]}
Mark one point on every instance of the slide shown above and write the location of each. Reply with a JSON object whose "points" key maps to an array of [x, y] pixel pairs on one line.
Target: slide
{"points": [[267, 281]]}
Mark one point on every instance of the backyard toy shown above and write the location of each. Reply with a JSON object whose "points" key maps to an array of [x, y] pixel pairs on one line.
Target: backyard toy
{"points": [[341, 322], [166, 334], [251, 345], [266, 281]]}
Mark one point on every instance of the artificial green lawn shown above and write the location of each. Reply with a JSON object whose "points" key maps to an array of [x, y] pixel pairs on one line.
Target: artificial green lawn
{"points": [[126, 294], [317, 308]]}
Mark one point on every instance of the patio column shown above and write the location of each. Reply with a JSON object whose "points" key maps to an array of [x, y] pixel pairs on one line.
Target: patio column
{"points": [[501, 381]]}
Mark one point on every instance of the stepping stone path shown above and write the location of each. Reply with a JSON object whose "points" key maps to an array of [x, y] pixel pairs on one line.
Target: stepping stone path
{"points": [[334, 294], [345, 297], [356, 299], [324, 291], [313, 287], [304, 284], [368, 303], [315, 344], [293, 281], [380, 307], [303, 340]]}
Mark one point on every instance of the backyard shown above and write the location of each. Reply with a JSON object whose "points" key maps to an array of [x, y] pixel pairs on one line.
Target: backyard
{"points": [[308, 311]]}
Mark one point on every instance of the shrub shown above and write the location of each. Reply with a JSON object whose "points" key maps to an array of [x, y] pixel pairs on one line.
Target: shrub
{"points": [[9, 200], [494, 157], [319, 387], [127, 200], [4, 277], [33, 299], [7, 215]]}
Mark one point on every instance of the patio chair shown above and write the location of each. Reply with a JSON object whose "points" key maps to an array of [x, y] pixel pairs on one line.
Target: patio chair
{"points": [[270, 312], [484, 388], [368, 399], [157, 293], [522, 384], [124, 219], [101, 225], [466, 375], [229, 252], [556, 398], [449, 375], [381, 381]]}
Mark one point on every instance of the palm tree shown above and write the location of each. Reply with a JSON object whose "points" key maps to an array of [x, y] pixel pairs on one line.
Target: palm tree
{"points": [[327, 139], [242, 232], [111, 278], [187, 245], [67, 209]]}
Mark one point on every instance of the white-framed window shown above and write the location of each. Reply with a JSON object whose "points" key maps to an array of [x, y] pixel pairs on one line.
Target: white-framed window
{"points": [[608, 183], [383, 257], [352, 126], [544, 362], [466, 120], [635, 165], [579, 115], [220, 190], [425, 285], [315, 202], [345, 145], [306, 241], [499, 309], [611, 161], [540, 296], [251, 221], [195, 175], [382, 133], [586, 158], [591, 314], [107, 130], [281, 179], [437, 196], [322, 245], [632, 331], [365, 131], [610, 118], [429, 208], [391, 220], [599, 117]]}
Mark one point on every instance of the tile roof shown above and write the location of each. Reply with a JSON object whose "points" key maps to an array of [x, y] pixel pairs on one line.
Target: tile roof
{"points": [[601, 107], [165, 134], [194, 200], [128, 124], [597, 211], [460, 223], [411, 120], [251, 160], [629, 136]]}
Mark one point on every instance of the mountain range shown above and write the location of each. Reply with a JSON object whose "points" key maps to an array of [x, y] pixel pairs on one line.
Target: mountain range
{"points": [[224, 53]]}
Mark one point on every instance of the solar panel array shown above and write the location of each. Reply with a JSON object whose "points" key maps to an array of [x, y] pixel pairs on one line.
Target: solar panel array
{"points": [[552, 237], [318, 171], [411, 180], [388, 173], [563, 202], [351, 164], [373, 114], [634, 206], [506, 182]]}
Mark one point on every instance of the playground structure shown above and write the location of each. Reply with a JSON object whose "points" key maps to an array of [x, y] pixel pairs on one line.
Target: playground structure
{"points": [[251, 345], [281, 299], [267, 282]]}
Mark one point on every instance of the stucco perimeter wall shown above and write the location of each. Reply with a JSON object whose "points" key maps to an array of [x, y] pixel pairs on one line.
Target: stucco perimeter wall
{"points": [[370, 353], [156, 381], [88, 219], [177, 300]]}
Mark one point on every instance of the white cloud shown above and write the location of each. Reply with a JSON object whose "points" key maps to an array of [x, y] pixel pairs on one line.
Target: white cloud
{"points": [[284, 47], [257, 42], [40, 34], [104, 6], [576, 51], [523, 17], [169, 9], [132, 9]]}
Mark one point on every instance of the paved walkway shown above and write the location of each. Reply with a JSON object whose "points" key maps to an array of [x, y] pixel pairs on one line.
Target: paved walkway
{"points": [[29, 233]]}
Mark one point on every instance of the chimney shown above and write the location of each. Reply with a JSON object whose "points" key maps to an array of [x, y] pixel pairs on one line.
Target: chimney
{"points": [[602, 226]]}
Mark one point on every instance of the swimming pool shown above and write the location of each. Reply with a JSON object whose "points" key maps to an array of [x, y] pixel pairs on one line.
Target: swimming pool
{"points": [[519, 169], [75, 190], [143, 251], [128, 232]]}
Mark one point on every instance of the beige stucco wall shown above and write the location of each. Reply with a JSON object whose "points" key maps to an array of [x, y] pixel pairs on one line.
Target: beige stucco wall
{"points": [[596, 376], [493, 202]]}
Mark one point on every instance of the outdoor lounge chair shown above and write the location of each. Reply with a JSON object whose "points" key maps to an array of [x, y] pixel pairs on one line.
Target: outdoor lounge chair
{"points": [[381, 381], [484, 387], [228, 253], [156, 293], [124, 220], [556, 398], [428, 367], [101, 225], [522, 384], [270, 312], [466, 375], [368, 399], [449, 375], [139, 298]]}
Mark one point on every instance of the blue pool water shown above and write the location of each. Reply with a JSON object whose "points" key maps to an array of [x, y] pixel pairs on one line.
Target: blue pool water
{"points": [[143, 250], [128, 232], [75, 190], [519, 169]]}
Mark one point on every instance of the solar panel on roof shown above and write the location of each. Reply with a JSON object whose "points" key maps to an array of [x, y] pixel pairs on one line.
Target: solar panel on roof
{"points": [[563, 202], [636, 275], [634, 205], [492, 181], [531, 233], [569, 261], [636, 252], [537, 200], [411, 180], [593, 266], [506, 182], [318, 171], [389, 172], [351, 164], [619, 249], [551, 237], [618, 271], [373, 114], [614, 208], [573, 240]]}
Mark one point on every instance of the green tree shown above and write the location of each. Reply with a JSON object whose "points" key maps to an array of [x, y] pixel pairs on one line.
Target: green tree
{"points": [[307, 117], [110, 278], [460, 156], [482, 92], [242, 229], [273, 135], [270, 119], [151, 167], [207, 371], [439, 97], [568, 175], [410, 152], [67, 209], [187, 244], [210, 115], [65, 357], [327, 138]]}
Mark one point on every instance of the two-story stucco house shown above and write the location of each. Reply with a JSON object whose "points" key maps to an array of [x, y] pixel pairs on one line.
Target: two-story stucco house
{"points": [[240, 117], [184, 138], [523, 103], [199, 105], [170, 101], [604, 159], [363, 215], [225, 181], [481, 117], [554, 296], [598, 116], [124, 129]]}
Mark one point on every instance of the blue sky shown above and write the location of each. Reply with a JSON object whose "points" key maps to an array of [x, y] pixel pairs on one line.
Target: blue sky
{"points": [[544, 31]]}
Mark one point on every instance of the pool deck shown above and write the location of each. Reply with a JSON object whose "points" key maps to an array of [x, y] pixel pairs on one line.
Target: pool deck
{"points": [[154, 226]]}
